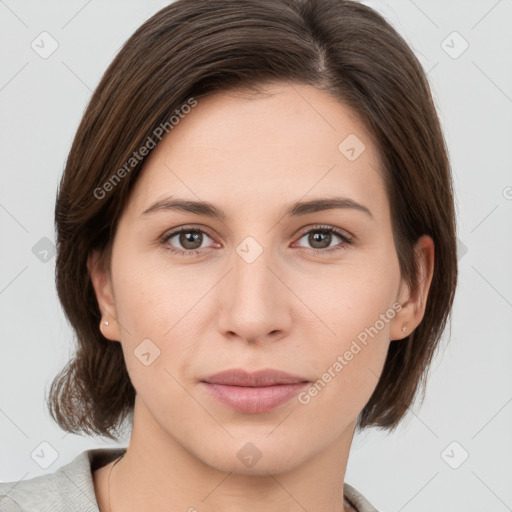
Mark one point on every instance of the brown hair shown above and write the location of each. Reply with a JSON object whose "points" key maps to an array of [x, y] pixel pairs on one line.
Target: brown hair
{"points": [[192, 48]]}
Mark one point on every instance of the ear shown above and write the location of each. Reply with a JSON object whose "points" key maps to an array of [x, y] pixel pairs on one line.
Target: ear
{"points": [[102, 284], [414, 301]]}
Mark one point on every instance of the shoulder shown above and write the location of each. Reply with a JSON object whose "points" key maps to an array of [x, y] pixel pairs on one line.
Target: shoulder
{"points": [[357, 500], [68, 489]]}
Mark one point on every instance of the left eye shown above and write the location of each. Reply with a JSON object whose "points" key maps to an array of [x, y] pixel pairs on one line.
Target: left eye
{"points": [[321, 238]]}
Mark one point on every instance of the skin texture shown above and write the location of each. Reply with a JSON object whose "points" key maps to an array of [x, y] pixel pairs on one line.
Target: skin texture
{"points": [[289, 309]]}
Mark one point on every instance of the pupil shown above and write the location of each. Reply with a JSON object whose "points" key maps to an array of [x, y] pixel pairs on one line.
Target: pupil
{"points": [[189, 238], [317, 236]]}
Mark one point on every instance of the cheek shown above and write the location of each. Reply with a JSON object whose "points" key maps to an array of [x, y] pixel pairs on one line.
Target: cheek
{"points": [[152, 298], [343, 389], [348, 365], [355, 301], [356, 313], [157, 308]]}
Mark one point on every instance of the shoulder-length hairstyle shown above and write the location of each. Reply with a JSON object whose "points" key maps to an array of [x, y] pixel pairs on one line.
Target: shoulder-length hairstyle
{"points": [[192, 48]]}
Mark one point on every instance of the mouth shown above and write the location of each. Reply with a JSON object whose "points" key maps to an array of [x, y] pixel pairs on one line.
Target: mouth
{"points": [[255, 392]]}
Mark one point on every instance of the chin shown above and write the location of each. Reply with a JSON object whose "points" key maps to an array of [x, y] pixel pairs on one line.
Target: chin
{"points": [[251, 456]]}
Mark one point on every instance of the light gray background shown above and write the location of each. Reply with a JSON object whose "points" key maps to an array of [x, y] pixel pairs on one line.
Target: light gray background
{"points": [[469, 396]]}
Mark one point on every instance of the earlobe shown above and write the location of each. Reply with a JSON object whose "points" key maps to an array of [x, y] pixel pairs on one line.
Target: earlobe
{"points": [[102, 284]]}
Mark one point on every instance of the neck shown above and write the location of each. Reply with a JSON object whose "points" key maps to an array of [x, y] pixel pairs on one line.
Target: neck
{"points": [[157, 472]]}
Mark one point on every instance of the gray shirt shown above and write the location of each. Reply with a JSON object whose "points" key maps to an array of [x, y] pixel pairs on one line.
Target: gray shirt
{"points": [[71, 488]]}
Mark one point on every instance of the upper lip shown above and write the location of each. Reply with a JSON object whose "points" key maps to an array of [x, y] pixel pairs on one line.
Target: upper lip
{"points": [[260, 378]]}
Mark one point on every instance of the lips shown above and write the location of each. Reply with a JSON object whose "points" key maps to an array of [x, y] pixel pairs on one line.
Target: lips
{"points": [[255, 392], [260, 378]]}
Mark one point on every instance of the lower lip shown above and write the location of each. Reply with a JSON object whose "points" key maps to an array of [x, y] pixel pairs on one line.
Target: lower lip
{"points": [[254, 399]]}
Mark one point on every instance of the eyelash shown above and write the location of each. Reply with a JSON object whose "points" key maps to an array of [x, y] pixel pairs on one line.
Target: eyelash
{"points": [[190, 253]]}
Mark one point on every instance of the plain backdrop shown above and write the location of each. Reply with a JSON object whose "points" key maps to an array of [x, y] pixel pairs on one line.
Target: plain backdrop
{"points": [[452, 453]]}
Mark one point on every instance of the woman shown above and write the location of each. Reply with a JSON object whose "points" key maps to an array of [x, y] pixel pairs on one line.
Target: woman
{"points": [[256, 248]]}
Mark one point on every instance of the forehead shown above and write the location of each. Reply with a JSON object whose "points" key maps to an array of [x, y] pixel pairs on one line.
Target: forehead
{"points": [[243, 148]]}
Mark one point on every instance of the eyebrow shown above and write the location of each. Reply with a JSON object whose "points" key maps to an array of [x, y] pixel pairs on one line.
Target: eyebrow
{"points": [[294, 210]]}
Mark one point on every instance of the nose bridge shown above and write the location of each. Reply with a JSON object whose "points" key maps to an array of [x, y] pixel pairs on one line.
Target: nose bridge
{"points": [[253, 282], [253, 304]]}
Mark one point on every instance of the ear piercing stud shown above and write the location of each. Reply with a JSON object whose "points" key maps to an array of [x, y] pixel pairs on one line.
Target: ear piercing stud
{"points": [[404, 328], [106, 322]]}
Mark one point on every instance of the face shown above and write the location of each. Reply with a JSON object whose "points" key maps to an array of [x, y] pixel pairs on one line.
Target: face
{"points": [[314, 292]]}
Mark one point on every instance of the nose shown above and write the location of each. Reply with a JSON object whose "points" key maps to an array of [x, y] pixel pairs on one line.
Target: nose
{"points": [[255, 304]]}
